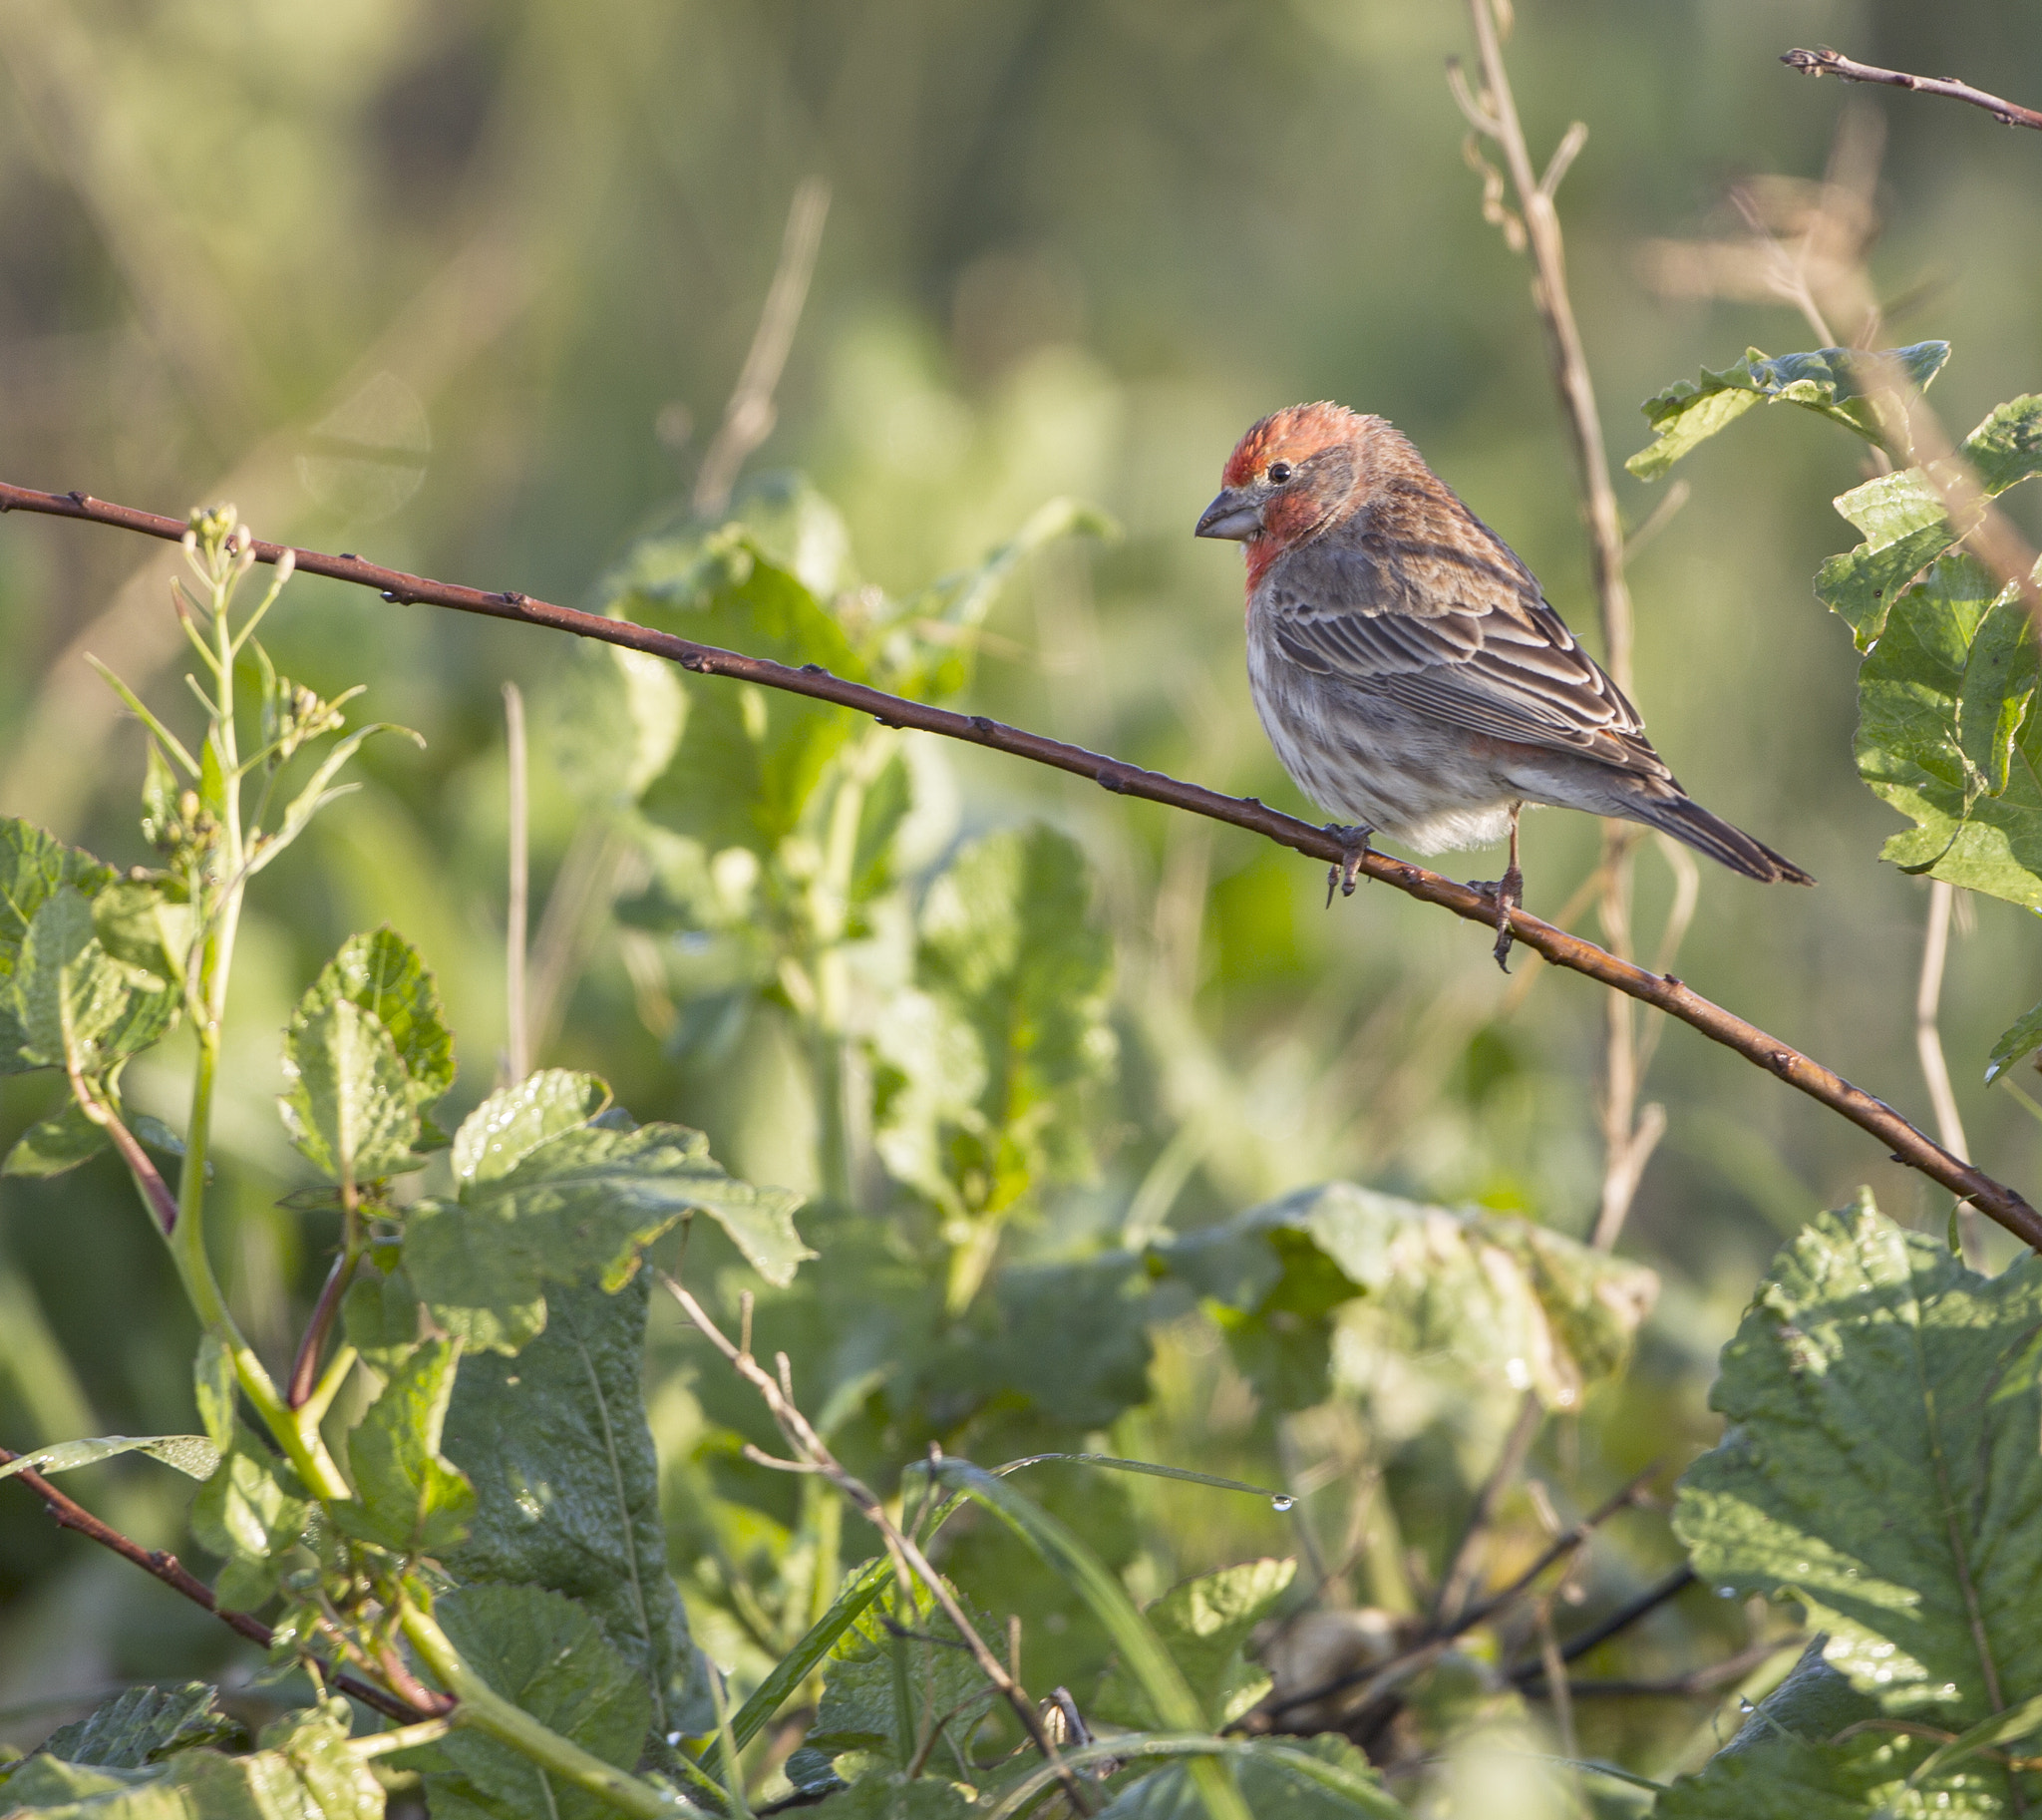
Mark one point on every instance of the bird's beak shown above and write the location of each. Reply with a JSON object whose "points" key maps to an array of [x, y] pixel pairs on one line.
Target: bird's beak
{"points": [[1236, 513]]}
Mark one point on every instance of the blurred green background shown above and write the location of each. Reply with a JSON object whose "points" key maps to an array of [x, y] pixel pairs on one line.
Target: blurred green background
{"points": [[517, 252]]}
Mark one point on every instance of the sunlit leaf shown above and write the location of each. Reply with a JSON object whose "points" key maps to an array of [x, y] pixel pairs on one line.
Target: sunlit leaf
{"points": [[250, 1512], [407, 1498], [348, 1106], [567, 1486], [1204, 1623], [192, 1454], [143, 1726], [72, 1004], [1881, 1465], [61, 1141], [385, 975]]}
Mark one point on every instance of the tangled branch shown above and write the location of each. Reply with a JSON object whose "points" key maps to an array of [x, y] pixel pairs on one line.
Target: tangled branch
{"points": [[1904, 1142]]}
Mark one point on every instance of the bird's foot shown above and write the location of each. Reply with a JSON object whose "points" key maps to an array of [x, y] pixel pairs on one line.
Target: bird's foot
{"points": [[1508, 891], [1354, 849]]}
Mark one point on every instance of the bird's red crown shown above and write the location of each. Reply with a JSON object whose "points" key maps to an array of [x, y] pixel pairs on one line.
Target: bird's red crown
{"points": [[1292, 434]]}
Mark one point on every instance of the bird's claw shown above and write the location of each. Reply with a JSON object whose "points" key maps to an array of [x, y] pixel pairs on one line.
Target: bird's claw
{"points": [[1509, 892], [1354, 849]]}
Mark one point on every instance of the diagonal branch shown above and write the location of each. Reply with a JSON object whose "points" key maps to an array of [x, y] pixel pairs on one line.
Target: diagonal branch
{"points": [[1833, 63], [72, 1515], [1907, 1145]]}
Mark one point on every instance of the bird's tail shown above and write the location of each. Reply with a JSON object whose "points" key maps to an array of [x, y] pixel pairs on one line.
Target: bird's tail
{"points": [[1686, 820]]}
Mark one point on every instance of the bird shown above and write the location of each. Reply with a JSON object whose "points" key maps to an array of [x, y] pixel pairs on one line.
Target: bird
{"points": [[1409, 669]]}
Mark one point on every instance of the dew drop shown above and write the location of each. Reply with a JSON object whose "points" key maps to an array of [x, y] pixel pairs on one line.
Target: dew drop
{"points": [[1281, 1503], [1726, 1591]]}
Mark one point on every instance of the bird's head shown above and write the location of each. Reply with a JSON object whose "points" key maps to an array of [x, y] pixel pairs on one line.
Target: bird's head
{"points": [[1294, 473]]}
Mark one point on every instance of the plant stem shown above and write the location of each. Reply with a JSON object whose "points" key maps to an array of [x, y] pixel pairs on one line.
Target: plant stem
{"points": [[485, 1710]]}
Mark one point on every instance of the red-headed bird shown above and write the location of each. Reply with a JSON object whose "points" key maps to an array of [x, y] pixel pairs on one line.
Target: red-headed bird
{"points": [[1409, 670]]}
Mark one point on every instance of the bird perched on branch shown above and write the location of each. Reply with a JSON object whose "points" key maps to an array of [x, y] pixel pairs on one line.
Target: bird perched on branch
{"points": [[1409, 670]]}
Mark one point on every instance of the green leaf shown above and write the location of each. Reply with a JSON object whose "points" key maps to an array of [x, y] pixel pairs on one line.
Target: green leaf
{"points": [[1881, 1464], [2022, 1041], [895, 1795], [1205, 1624], [2006, 448], [1500, 1293], [349, 1106], [1906, 529], [61, 1141], [747, 759], [143, 1726], [1798, 1756], [192, 1454], [566, 1485], [1993, 700], [545, 1653], [73, 1003], [549, 1197], [792, 1670], [1910, 743], [384, 975], [982, 1075], [1071, 1340], [140, 921], [213, 1389], [1837, 383], [882, 1690], [251, 1512], [304, 1771], [408, 1499], [34, 866]]}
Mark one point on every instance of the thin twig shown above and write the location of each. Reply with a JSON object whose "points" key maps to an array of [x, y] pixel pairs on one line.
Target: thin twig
{"points": [[1556, 1687], [747, 417], [1629, 1136], [1833, 63], [72, 1515], [1908, 1145], [816, 1456], [1935, 1069], [518, 1042]]}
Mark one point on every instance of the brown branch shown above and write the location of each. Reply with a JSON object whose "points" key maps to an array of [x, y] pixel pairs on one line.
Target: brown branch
{"points": [[1908, 1145], [72, 1515], [815, 1457], [1833, 63]]}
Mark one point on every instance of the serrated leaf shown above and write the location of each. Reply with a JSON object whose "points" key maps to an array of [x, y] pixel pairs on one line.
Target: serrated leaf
{"points": [[348, 1104], [34, 866], [72, 1002], [545, 1200], [545, 1653], [407, 1498], [61, 1141], [1998, 684], [1910, 744], [192, 1454], [385, 975], [1814, 1749], [566, 1485], [1204, 1623], [1906, 529], [1881, 1464], [1837, 383], [143, 1726]]}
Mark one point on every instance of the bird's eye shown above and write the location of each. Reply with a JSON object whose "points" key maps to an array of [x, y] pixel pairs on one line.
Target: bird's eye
{"points": [[1280, 471]]}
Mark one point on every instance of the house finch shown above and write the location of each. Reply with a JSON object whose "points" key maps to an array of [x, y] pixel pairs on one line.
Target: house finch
{"points": [[1409, 672]]}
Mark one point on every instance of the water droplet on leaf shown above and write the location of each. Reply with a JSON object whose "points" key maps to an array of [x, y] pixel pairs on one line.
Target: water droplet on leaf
{"points": [[1281, 1504]]}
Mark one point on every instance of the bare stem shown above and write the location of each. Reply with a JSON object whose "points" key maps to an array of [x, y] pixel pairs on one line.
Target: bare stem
{"points": [[71, 1515], [1832, 63], [1904, 1140], [518, 1039]]}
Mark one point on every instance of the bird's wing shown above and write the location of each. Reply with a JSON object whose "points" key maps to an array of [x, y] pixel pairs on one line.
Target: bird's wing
{"points": [[1496, 661]]}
